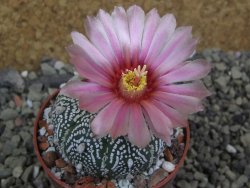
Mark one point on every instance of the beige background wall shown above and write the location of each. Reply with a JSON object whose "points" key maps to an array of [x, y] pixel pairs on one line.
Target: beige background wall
{"points": [[31, 29]]}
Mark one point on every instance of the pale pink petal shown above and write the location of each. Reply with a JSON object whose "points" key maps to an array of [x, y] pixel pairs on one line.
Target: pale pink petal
{"points": [[193, 70], [103, 122], [108, 26], [136, 17], [184, 104], [178, 49], [195, 89], [162, 34], [99, 38], [92, 97], [91, 52], [86, 68], [75, 88], [120, 22], [138, 133], [93, 102], [120, 126], [176, 117], [160, 122], [165, 138], [121, 27], [151, 23]]}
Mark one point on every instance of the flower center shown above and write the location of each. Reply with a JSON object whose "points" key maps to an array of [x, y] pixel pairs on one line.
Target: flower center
{"points": [[133, 83]]}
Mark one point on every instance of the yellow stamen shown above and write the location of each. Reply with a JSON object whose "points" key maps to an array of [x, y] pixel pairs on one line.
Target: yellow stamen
{"points": [[133, 83]]}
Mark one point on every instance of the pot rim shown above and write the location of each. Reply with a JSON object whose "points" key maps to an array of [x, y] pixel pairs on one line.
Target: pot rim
{"points": [[163, 182]]}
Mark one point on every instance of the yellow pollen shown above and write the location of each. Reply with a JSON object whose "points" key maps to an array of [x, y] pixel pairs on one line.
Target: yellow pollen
{"points": [[134, 81]]}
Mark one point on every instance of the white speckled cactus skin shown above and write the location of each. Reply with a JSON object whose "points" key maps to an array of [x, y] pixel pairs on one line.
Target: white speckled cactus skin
{"points": [[103, 157]]}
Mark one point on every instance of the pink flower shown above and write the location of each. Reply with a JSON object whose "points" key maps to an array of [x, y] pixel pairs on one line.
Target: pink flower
{"points": [[136, 74]]}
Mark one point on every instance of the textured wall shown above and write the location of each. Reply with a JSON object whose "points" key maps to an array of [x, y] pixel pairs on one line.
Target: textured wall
{"points": [[31, 29]]}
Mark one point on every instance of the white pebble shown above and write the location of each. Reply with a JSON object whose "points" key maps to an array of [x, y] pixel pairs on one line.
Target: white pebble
{"points": [[76, 73], [124, 183], [51, 126], [59, 65], [36, 170], [46, 113], [29, 103], [159, 162], [156, 168], [169, 167], [80, 148], [151, 171], [42, 131], [51, 149], [231, 149], [63, 84], [24, 74], [79, 167], [58, 174]]}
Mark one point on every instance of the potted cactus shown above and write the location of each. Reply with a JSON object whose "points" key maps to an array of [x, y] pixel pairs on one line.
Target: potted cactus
{"points": [[123, 120]]}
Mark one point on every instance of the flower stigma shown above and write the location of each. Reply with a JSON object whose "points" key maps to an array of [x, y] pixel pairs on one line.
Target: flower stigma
{"points": [[133, 82]]}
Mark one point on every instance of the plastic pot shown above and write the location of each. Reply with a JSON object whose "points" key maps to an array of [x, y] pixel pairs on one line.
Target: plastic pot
{"points": [[60, 184]]}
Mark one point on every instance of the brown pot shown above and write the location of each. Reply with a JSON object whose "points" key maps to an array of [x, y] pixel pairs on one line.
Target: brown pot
{"points": [[60, 184]]}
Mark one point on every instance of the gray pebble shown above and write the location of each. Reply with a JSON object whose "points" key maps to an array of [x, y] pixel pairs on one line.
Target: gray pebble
{"points": [[17, 171], [239, 183], [236, 74], [8, 114], [32, 75], [230, 174], [47, 69], [11, 78], [4, 172], [27, 173], [13, 161], [220, 66], [184, 183], [16, 140], [245, 139]]}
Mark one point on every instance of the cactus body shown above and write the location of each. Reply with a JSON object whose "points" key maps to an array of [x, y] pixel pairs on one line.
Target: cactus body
{"points": [[102, 157]]}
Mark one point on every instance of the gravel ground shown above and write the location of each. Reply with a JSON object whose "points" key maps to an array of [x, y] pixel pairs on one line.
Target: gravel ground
{"points": [[219, 154]]}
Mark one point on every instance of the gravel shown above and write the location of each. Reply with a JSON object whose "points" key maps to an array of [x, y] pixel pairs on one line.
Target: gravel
{"points": [[219, 154]]}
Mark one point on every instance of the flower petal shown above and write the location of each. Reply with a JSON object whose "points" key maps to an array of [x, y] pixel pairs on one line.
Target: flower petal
{"points": [[99, 38], [138, 133], [151, 23], [86, 68], [194, 89], [108, 26], [175, 55], [162, 34], [93, 102], [121, 27], [136, 17], [152, 129], [120, 126], [193, 70], [103, 122], [91, 52], [184, 104], [75, 88], [92, 97], [120, 22], [176, 117], [160, 122], [179, 48]]}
